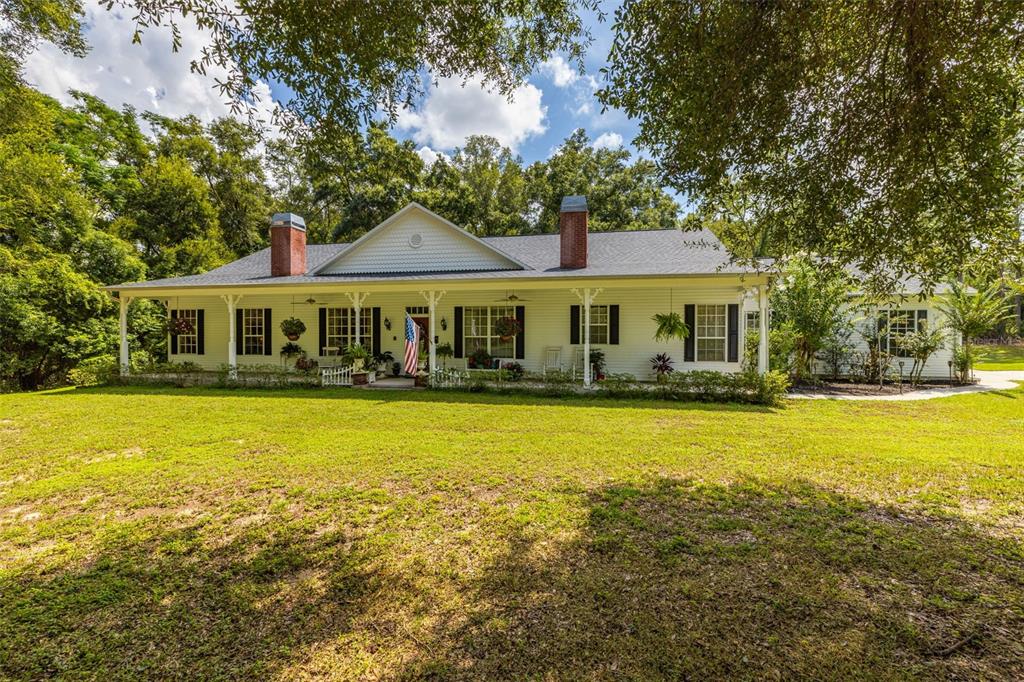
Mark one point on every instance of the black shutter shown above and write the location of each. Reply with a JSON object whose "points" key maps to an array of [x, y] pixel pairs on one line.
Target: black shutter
{"points": [[613, 324], [733, 333], [458, 331], [521, 336], [690, 318], [200, 332], [883, 332], [375, 343], [267, 334], [574, 324], [174, 337], [322, 324], [239, 347]]}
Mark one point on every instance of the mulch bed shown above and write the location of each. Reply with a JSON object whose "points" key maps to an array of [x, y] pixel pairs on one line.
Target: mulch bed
{"points": [[847, 388]]}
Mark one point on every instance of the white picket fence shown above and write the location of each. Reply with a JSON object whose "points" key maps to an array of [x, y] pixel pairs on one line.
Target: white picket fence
{"points": [[336, 376], [449, 378]]}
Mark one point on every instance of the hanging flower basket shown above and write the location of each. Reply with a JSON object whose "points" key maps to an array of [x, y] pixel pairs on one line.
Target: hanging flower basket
{"points": [[293, 328], [507, 328], [179, 325]]}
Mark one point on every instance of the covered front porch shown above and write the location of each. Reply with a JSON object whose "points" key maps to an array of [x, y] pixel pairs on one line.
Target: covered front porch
{"points": [[558, 325]]}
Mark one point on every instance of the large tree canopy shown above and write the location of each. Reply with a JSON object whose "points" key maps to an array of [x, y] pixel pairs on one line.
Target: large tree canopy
{"points": [[883, 132]]}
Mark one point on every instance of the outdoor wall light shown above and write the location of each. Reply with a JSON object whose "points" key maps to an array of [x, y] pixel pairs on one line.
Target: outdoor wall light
{"points": [[387, 323], [444, 324]]}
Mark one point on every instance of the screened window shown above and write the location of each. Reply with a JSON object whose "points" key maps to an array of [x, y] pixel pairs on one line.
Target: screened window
{"points": [[753, 320], [252, 331], [341, 327], [904, 322], [188, 343], [711, 333], [599, 324], [478, 330]]}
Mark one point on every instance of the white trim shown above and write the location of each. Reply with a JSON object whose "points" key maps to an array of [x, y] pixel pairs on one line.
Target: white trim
{"points": [[411, 206]]}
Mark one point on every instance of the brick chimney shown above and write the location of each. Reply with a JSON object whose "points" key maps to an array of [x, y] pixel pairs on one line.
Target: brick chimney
{"points": [[287, 245], [572, 225]]}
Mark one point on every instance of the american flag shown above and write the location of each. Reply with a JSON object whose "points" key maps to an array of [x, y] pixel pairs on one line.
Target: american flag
{"points": [[412, 345]]}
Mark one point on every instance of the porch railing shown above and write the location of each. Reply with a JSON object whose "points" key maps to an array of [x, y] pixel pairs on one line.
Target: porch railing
{"points": [[336, 376]]}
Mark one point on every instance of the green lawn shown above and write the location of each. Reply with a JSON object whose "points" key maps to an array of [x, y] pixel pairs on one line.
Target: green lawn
{"points": [[1000, 357], [202, 534]]}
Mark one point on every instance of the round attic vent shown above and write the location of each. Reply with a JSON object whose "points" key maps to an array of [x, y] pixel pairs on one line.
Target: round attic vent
{"points": [[416, 240]]}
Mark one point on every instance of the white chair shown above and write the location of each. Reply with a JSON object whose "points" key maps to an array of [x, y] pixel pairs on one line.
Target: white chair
{"points": [[552, 358]]}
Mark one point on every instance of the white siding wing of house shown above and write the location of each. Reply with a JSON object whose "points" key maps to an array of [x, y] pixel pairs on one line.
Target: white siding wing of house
{"points": [[417, 240]]}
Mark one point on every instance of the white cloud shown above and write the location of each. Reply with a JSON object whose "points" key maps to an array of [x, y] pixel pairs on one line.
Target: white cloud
{"points": [[608, 141], [452, 112], [561, 72], [149, 76], [428, 156]]}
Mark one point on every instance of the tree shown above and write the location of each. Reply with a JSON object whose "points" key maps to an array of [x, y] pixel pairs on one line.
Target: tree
{"points": [[51, 317], [173, 220], [887, 134], [810, 299], [970, 314]]}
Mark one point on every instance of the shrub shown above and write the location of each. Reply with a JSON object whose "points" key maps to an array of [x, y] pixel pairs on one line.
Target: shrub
{"points": [[93, 371], [304, 364], [837, 352], [479, 359], [513, 371]]}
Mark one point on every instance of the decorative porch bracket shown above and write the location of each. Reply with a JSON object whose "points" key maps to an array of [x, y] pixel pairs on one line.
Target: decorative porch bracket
{"points": [[586, 297], [232, 302], [357, 299], [125, 360], [432, 298]]}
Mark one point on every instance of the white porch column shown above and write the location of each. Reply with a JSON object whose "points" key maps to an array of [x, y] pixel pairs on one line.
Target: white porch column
{"points": [[125, 360], [232, 302], [762, 345], [433, 298], [357, 305], [587, 297]]}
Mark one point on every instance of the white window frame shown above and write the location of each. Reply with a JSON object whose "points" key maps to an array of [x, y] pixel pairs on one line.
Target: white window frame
{"points": [[477, 327], [706, 337], [341, 328], [252, 331], [188, 344], [600, 325], [902, 321], [752, 320]]}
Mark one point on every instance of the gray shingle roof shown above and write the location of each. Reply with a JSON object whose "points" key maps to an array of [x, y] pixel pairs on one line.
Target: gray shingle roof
{"points": [[610, 254]]}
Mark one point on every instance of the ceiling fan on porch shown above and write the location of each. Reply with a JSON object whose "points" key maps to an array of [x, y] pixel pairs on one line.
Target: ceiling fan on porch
{"points": [[511, 298]]}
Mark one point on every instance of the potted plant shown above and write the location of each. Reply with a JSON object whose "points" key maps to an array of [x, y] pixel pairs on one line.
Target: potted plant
{"points": [[357, 355], [445, 351], [662, 366], [396, 369], [597, 363], [179, 325], [293, 328], [382, 360], [479, 359], [422, 378], [291, 350], [670, 326], [507, 328], [304, 364]]}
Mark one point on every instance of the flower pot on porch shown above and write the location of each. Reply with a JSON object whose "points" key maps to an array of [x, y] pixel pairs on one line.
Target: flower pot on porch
{"points": [[360, 378], [420, 381]]}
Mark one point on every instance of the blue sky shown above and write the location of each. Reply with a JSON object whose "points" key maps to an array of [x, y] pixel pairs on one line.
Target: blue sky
{"points": [[543, 112]]}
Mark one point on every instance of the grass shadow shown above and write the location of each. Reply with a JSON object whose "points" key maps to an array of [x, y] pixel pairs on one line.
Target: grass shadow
{"points": [[679, 580]]}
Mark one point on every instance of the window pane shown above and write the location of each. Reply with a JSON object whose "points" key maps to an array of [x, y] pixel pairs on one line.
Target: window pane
{"points": [[252, 331], [711, 330], [598, 324]]}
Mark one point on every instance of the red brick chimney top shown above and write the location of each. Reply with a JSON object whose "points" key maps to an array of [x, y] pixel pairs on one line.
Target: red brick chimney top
{"points": [[572, 225], [287, 245]]}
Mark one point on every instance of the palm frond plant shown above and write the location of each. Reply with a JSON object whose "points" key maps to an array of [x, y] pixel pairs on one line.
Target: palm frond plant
{"points": [[662, 366], [969, 314], [670, 326], [358, 355]]}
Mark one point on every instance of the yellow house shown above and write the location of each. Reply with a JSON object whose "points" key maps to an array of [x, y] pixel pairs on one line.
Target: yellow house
{"points": [[568, 293]]}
